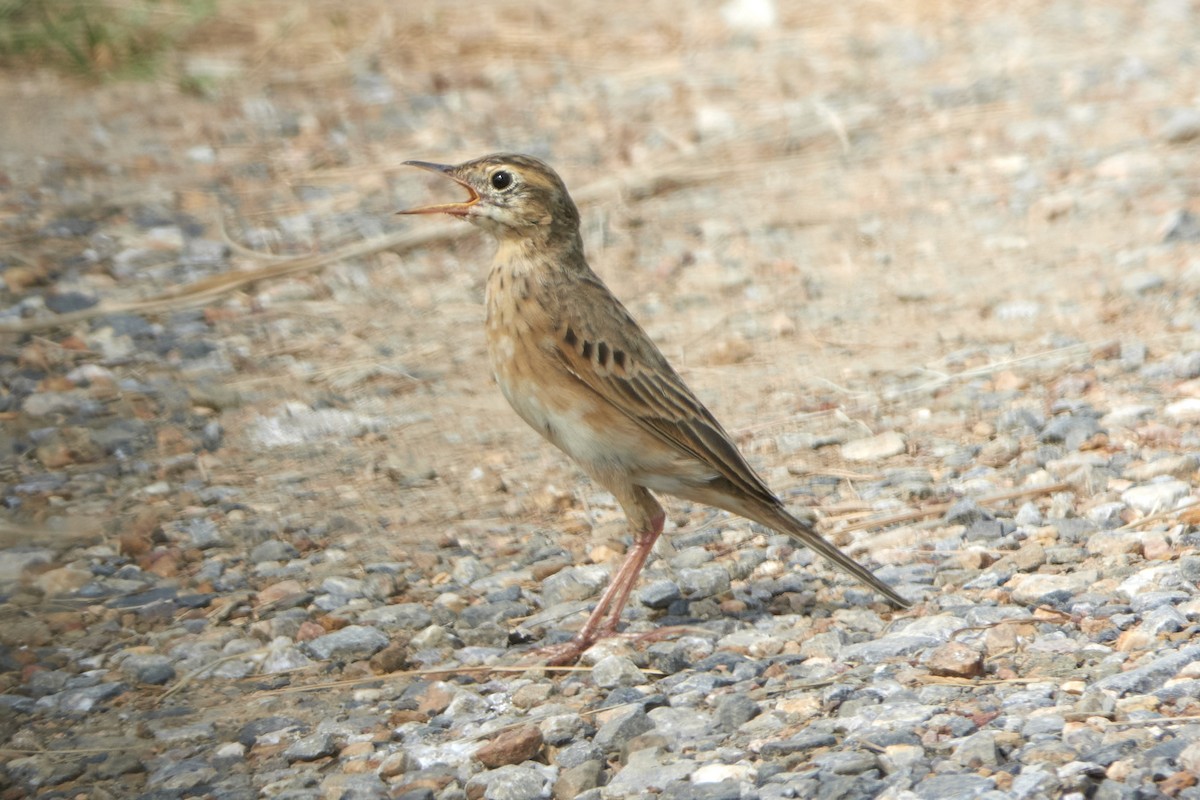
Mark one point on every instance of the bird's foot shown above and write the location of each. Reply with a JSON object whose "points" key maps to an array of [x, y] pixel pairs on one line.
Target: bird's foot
{"points": [[567, 653], [563, 654]]}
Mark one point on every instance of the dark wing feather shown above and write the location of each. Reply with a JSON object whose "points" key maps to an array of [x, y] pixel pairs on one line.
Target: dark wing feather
{"points": [[636, 378]]}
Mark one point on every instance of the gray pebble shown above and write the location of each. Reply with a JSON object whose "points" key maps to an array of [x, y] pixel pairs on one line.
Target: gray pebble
{"points": [[311, 747], [805, 741], [578, 752], [614, 734], [1143, 602], [660, 594], [574, 781], [645, 768], [473, 616], [613, 671], [1141, 282], [273, 550], [1154, 497], [734, 710], [350, 643], [686, 790], [515, 782], [977, 750], [175, 775], [115, 765], [573, 583], [84, 700], [707, 581], [846, 763], [966, 512], [1147, 677], [404, 616], [1182, 126], [960, 787], [175, 734]]}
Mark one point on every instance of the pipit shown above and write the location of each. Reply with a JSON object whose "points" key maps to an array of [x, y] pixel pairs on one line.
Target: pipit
{"points": [[575, 365]]}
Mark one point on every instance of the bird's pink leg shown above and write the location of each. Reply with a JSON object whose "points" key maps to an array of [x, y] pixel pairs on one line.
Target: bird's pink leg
{"points": [[607, 613]]}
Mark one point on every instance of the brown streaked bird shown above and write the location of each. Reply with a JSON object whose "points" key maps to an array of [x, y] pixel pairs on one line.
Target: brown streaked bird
{"points": [[576, 366]]}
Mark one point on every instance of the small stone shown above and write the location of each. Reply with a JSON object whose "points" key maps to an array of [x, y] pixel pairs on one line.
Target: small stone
{"points": [[1113, 543], [273, 550], [874, 448], [117, 764], [955, 660], [960, 787], [1189, 759], [574, 781], [174, 776], [615, 733], [1036, 588], [1185, 410], [148, 668], [1175, 466], [15, 560], [749, 16], [900, 757], [283, 595], [351, 643], [967, 511], [707, 581], [511, 747], [573, 583], [431, 637], [1148, 677], [198, 532], [310, 748], [804, 741], [1182, 126], [392, 658], [999, 451], [178, 734], [977, 750], [660, 594], [63, 581], [515, 782], [613, 671], [1029, 557], [823, 645], [734, 710], [532, 695], [229, 753], [1154, 497], [648, 768], [846, 762]]}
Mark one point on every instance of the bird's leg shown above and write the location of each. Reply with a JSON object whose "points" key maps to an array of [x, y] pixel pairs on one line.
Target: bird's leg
{"points": [[647, 518], [626, 578]]}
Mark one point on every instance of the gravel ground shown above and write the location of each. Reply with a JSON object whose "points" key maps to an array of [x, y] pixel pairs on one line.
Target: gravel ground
{"points": [[270, 531]]}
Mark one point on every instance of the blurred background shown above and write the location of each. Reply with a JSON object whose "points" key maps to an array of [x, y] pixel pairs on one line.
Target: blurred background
{"points": [[829, 215]]}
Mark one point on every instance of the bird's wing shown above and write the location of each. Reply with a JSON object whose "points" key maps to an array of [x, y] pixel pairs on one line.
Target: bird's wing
{"points": [[599, 343]]}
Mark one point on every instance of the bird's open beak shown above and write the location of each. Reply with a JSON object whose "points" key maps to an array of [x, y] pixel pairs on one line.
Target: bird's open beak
{"points": [[453, 209]]}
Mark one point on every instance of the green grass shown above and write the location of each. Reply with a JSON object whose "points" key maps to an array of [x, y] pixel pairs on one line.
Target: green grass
{"points": [[97, 38]]}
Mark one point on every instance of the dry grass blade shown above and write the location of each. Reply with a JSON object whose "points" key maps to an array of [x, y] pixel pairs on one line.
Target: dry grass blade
{"points": [[1161, 515]]}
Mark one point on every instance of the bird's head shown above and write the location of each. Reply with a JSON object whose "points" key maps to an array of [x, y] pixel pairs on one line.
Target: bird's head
{"points": [[509, 195]]}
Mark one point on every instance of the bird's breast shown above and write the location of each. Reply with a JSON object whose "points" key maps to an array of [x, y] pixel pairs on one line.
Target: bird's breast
{"points": [[523, 348]]}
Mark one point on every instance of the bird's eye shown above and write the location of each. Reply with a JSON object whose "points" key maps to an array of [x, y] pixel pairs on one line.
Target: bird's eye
{"points": [[502, 179]]}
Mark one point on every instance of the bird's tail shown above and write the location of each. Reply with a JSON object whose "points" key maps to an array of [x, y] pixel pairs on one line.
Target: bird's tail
{"points": [[777, 518]]}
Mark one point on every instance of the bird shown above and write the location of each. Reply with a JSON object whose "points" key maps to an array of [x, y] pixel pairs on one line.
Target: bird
{"points": [[575, 365]]}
